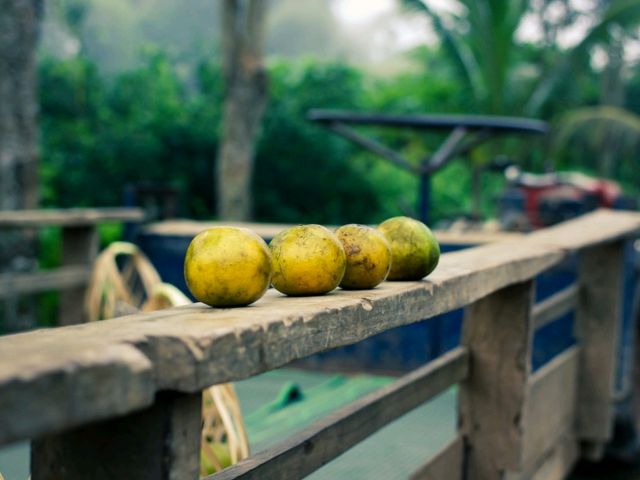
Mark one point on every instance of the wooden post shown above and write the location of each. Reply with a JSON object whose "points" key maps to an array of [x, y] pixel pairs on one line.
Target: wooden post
{"points": [[598, 315], [79, 247], [498, 332], [158, 443]]}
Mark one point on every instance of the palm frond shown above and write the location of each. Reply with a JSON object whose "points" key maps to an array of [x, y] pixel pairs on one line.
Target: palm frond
{"points": [[455, 45], [624, 13], [594, 125]]}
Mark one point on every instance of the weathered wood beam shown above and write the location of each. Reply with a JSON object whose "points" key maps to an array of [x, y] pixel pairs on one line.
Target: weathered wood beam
{"points": [[190, 228], [598, 324], [556, 306], [56, 379], [551, 406], [79, 248], [447, 464], [601, 226], [68, 217], [161, 442], [556, 464], [42, 281], [331, 436], [498, 331]]}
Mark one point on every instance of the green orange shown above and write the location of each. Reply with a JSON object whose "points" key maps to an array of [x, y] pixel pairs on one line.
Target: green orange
{"points": [[368, 256], [414, 249], [227, 267], [307, 260]]}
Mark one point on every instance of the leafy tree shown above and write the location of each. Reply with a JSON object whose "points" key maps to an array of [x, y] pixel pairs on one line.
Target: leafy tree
{"points": [[302, 171], [99, 136], [245, 97], [19, 24], [19, 156], [586, 130], [481, 41], [480, 38], [145, 125]]}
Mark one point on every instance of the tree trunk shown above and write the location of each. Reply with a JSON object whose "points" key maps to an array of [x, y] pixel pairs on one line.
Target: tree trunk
{"points": [[19, 21], [19, 25], [244, 103]]}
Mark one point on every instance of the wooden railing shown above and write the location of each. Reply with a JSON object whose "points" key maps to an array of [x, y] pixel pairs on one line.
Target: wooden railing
{"points": [[79, 249], [121, 398]]}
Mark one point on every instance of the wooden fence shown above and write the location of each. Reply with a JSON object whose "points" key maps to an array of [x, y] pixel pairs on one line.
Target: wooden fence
{"points": [[79, 249], [122, 398]]}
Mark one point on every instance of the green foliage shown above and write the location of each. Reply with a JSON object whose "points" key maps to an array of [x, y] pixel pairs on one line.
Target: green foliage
{"points": [[146, 126], [605, 139], [97, 136], [159, 124], [505, 76], [49, 257], [479, 38], [304, 172]]}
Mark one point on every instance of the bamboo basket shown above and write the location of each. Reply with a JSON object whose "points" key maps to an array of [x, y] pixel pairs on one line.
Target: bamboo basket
{"points": [[124, 281]]}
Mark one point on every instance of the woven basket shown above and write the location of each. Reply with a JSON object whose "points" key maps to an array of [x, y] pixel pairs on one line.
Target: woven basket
{"points": [[124, 281]]}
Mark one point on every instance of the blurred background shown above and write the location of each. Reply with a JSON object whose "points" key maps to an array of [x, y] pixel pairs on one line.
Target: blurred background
{"points": [[132, 91], [197, 111]]}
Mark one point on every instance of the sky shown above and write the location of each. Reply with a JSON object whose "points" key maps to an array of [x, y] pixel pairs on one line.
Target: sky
{"points": [[384, 25], [410, 32], [358, 12]]}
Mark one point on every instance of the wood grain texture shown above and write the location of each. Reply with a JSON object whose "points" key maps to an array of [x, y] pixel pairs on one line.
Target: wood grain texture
{"points": [[58, 279], [190, 228], [68, 217], [190, 348], [159, 443], [79, 248], [498, 331], [551, 406], [556, 306], [447, 464], [598, 319], [57, 379], [588, 230], [601, 226], [556, 464], [323, 441]]}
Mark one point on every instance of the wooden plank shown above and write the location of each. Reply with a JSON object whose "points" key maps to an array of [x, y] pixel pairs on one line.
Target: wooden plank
{"points": [[62, 378], [556, 306], [601, 226], [560, 461], [79, 249], [475, 237], [498, 332], [551, 407], [598, 319], [588, 230], [68, 217], [159, 443], [329, 437], [58, 279], [445, 465], [556, 464], [189, 348], [190, 228]]}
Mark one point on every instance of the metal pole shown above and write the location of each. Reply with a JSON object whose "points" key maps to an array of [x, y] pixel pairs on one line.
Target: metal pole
{"points": [[425, 198]]}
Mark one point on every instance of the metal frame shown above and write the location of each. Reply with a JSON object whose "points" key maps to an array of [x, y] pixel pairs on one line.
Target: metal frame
{"points": [[467, 132]]}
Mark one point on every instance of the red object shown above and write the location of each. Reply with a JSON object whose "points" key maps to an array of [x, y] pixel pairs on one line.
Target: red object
{"points": [[563, 186]]}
